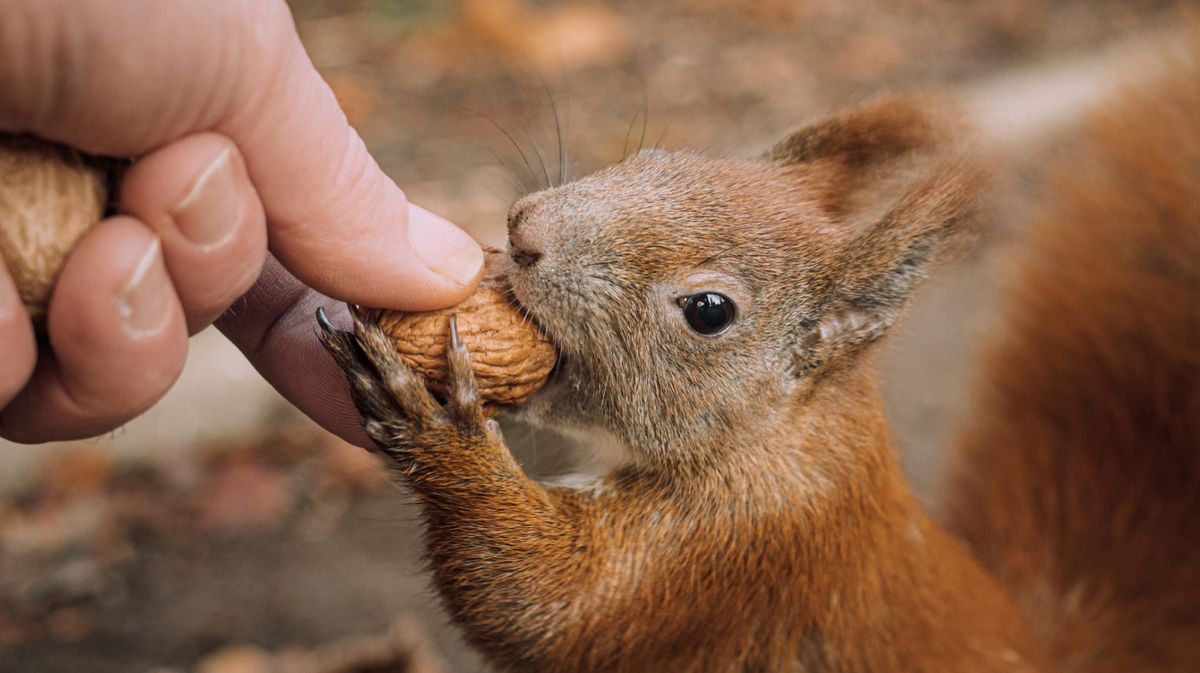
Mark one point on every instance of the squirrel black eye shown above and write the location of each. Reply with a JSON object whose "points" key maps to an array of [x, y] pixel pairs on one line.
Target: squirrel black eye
{"points": [[708, 313]]}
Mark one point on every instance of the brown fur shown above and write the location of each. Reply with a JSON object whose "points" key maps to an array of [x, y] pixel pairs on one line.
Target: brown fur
{"points": [[1080, 478], [759, 521]]}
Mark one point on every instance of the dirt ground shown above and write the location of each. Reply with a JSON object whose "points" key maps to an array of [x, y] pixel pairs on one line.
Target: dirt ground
{"points": [[225, 520]]}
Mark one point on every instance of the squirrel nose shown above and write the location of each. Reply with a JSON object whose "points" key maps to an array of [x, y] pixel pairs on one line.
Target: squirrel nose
{"points": [[524, 254], [525, 258], [520, 251]]}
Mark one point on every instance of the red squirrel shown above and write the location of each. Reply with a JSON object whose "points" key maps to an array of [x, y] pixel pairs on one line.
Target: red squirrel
{"points": [[717, 321]]}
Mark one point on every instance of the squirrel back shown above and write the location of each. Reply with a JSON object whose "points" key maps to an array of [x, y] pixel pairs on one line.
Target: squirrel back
{"points": [[1078, 478]]}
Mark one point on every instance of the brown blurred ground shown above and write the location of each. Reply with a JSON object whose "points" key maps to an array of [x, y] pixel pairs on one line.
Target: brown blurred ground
{"points": [[223, 519]]}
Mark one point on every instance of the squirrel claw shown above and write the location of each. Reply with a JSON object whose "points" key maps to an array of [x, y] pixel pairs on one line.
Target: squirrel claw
{"points": [[455, 344], [323, 320], [463, 402]]}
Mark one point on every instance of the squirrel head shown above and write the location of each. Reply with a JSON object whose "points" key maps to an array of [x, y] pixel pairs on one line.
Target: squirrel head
{"points": [[696, 298]]}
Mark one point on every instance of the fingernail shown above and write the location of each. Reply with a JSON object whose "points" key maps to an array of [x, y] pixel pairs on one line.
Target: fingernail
{"points": [[443, 247], [208, 213], [143, 302]]}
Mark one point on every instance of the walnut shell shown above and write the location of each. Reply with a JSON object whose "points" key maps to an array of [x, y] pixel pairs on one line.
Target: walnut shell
{"points": [[49, 197], [511, 357]]}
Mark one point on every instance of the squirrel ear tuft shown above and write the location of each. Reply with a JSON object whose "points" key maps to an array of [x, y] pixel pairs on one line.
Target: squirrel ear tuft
{"points": [[900, 181]]}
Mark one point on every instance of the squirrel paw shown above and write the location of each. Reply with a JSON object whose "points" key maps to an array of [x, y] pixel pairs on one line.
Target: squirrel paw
{"points": [[399, 413]]}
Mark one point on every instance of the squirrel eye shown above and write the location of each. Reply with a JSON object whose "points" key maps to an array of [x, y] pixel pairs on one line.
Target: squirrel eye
{"points": [[708, 313]]}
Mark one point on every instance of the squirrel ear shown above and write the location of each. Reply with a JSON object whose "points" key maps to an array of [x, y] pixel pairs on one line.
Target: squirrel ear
{"points": [[847, 158], [900, 182]]}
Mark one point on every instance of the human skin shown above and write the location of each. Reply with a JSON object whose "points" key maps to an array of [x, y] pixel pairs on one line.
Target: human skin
{"points": [[249, 183]]}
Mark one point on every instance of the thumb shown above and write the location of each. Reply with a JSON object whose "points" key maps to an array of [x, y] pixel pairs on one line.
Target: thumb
{"points": [[336, 221]]}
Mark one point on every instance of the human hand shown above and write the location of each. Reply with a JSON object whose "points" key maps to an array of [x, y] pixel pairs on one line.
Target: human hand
{"points": [[240, 145]]}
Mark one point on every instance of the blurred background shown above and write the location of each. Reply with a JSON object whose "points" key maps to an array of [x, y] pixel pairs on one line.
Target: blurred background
{"points": [[224, 533]]}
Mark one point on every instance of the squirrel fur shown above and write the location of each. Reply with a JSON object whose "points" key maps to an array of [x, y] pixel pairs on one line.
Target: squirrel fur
{"points": [[758, 519], [1077, 481]]}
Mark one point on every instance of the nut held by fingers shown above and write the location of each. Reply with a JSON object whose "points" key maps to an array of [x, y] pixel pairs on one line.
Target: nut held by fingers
{"points": [[49, 197], [510, 355]]}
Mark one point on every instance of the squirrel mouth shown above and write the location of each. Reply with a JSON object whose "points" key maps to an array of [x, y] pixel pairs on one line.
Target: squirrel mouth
{"points": [[560, 363], [517, 296], [558, 372]]}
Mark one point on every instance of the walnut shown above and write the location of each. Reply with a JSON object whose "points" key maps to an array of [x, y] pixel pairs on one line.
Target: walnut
{"points": [[49, 197], [511, 357]]}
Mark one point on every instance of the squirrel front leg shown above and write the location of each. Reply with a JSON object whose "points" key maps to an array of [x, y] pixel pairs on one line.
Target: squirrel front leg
{"points": [[508, 556]]}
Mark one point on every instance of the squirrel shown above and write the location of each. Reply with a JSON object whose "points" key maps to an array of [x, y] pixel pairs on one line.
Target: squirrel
{"points": [[718, 322]]}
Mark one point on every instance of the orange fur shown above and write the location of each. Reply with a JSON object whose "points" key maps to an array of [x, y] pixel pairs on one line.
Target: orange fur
{"points": [[1079, 485]]}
